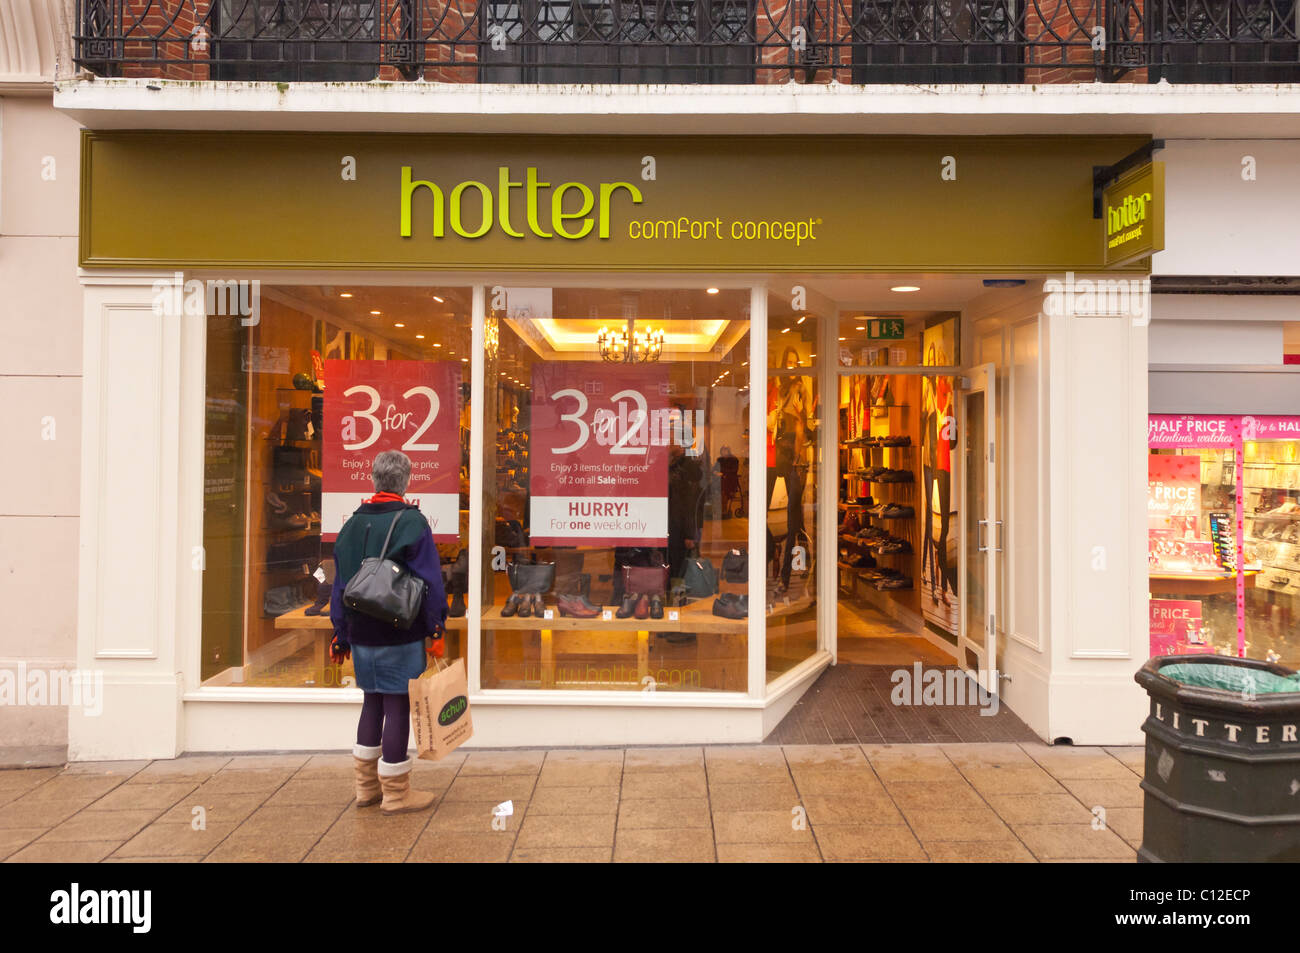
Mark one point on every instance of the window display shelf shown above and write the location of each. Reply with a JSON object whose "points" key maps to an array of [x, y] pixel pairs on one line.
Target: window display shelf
{"points": [[697, 618], [1200, 583], [298, 619]]}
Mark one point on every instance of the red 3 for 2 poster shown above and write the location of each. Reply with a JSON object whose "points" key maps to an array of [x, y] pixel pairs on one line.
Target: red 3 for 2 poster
{"points": [[411, 406], [598, 455]]}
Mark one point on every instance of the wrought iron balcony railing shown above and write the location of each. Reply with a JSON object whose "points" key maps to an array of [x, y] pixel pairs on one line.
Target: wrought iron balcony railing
{"points": [[693, 41]]}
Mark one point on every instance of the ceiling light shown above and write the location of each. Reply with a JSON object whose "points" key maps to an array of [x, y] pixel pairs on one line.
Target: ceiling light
{"points": [[785, 330], [420, 336], [744, 363], [399, 325], [905, 288], [711, 291], [843, 339], [437, 299], [464, 360], [861, 327], [802, 320], [345, 294], [437, 345], [376, 312]]}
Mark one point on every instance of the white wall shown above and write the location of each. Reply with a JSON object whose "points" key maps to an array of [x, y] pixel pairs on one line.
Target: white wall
{"points": [[40, 390], [1219, 223]]}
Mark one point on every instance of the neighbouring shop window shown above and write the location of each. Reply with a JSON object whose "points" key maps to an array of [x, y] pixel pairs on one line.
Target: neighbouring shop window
{"points": [[1271, 505], [298, 405], [794, 420], [615, 529]]}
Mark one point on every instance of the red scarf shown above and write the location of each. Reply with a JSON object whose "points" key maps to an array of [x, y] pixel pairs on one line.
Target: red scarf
{"points": [[386, 498]]}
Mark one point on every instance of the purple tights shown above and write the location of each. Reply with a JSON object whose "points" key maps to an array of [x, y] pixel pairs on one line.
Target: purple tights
{"points": [[386, 720]]}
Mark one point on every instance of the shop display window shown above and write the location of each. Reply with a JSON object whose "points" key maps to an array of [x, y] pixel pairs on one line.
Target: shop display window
{"points": [[298, 405], [794, 421], [1223, 509], [615, 524]]}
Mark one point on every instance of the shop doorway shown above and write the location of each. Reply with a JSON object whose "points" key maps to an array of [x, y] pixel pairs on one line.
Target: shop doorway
{"points": [[897, 539]]}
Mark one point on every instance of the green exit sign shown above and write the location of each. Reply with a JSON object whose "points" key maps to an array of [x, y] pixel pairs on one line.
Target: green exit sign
{"points": [[885, 329]]}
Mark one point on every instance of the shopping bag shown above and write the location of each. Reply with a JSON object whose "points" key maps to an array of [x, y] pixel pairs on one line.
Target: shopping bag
{"points": [[440, 710]]}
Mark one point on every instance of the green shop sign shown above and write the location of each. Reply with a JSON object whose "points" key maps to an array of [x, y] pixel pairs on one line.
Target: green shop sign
{"points": [[1133, 212], [591, 203]]}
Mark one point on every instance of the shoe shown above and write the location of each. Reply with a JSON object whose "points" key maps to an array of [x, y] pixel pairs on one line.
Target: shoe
{"points": [[896, 511], [894, 582], [656, 606], [457, 609], [896, 476], [395, 782], [513, 605], [322, 599], [365, 763], [642, 610], [894, 547], [576, 606], [900, 440], [851, 524], [539, 605], [627, 608], [730, 606]]}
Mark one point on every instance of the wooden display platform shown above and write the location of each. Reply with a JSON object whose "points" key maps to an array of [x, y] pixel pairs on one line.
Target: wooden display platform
{"points": [[1201, 584], [697, 617]]}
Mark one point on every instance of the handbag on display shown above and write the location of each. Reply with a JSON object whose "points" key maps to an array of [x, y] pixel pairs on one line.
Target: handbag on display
{"points": [[385, 589], [699, 577], [647, 580], [735, 566], [531, 577]]}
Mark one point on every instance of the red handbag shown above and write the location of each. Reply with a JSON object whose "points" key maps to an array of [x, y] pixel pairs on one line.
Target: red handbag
{"points": [[647, 580]]}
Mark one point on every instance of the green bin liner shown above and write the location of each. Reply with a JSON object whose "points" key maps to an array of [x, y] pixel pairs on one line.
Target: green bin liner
{"points": [[1231, 678]]}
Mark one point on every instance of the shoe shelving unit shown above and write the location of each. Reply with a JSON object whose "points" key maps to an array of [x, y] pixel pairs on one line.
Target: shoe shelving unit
{"points": [[899, 417]]}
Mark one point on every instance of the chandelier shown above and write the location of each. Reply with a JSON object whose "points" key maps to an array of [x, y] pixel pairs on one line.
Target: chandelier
{"points": [[627, 346]]}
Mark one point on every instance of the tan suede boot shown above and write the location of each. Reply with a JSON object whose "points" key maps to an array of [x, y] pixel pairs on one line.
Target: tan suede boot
{"points": [[395, 779], [366, 771]]}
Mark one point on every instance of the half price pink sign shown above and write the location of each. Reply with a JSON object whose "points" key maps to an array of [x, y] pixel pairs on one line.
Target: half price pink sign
{"points": [[598, 455]]}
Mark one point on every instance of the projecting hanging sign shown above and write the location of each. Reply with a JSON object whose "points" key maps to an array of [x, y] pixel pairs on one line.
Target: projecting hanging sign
{"points": [[1133, 214]]}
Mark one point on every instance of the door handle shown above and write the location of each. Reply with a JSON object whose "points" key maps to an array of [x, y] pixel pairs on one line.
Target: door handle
{"points": [[998, 537], [979, 536]]}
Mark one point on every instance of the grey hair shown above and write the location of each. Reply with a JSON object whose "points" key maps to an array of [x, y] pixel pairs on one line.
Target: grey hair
{"points": [[390, 472]]}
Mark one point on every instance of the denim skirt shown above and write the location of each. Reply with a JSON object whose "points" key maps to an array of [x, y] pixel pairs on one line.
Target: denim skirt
{"points": [[386, 669]]}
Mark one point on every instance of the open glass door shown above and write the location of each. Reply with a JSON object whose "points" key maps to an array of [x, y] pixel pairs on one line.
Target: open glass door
{"points": [[977, 636]]}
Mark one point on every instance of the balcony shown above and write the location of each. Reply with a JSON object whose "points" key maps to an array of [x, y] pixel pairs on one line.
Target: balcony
{"points": [[693, 41]]}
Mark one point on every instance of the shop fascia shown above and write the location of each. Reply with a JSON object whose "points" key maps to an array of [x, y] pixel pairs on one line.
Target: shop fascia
{"points": [[448, 209]]}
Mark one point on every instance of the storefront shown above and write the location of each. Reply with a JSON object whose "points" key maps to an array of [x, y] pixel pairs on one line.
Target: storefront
{"points": [[604, 356]]}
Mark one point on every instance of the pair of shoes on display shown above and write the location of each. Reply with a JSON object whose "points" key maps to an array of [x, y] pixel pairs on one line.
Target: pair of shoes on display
{"points": [[893, 511], [895, 476], [641, 605], [731, 606], [870, 474], [893, 547], [894, 440], [523, 605], [893, 582], [851, 524], [457, 608], [577, 606]]}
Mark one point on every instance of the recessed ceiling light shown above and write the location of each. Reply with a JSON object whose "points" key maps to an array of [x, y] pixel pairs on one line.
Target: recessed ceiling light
{"points": [[345, 294], [842, 339], [785, 330], [420, 336], [437, 299], [437, 345], [711, 291], [464, 360], [399, 325], [376, 312], [744, 364], [861, 327], [905, 288], [802, 320]]}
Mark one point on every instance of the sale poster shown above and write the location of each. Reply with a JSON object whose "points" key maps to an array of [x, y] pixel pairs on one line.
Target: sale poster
{"points": [[1174, 624], [599, 452], [411, 406], [1174, 494]]}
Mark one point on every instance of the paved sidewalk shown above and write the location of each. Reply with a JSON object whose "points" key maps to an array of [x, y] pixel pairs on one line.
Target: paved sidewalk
{"points": [[974, 802]]}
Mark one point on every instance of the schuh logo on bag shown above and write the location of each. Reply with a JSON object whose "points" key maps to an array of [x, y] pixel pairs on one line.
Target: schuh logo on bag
{"points": [[452, 711]]}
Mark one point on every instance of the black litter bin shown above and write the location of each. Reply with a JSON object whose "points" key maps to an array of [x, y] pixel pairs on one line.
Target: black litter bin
{"points": [[1222, 776]]}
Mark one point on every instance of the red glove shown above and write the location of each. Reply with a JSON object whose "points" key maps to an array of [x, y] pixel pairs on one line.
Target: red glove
{"points": [[436, 645], [339, 651]]}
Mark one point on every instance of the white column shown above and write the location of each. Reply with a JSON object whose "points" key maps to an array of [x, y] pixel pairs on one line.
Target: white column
{"points": [[1097, 386], [134, 554], [474, 602], [757, 492]]}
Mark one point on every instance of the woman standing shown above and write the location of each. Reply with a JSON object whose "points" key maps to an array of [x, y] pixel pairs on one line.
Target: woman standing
{"points": [[387, 658]]}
